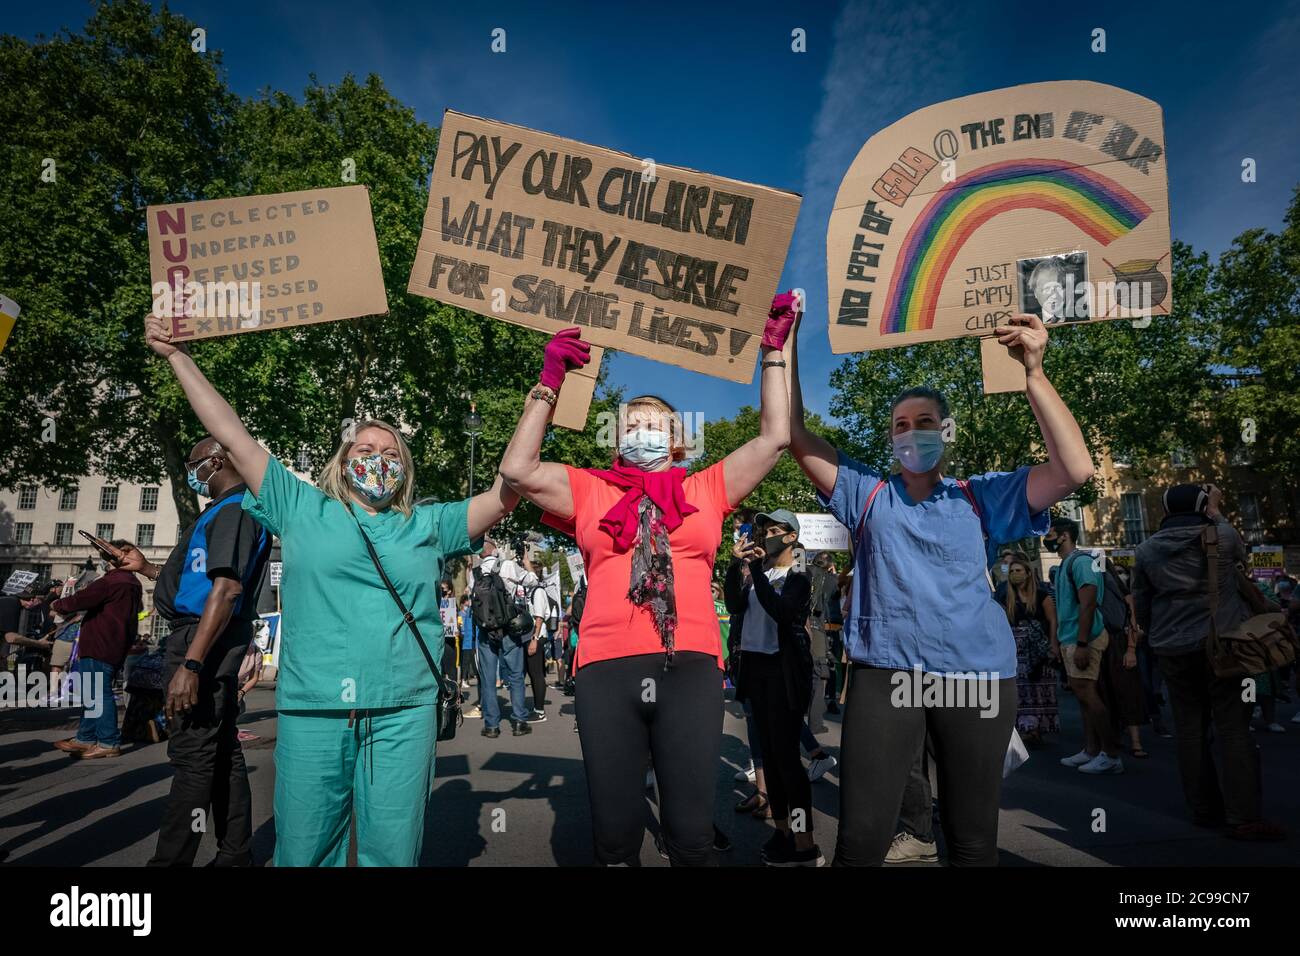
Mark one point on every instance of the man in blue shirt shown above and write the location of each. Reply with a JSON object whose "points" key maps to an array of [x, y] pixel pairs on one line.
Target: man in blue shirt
{"points": [[1080, 587], [207, 591]]}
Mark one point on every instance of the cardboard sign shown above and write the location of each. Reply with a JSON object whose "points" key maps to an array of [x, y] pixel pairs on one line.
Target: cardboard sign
{"points": [[822, 532], [1124, 557], [253, 263], [576, 567], [19, 582], [1049, 198], [9, 310], [546, 232]]}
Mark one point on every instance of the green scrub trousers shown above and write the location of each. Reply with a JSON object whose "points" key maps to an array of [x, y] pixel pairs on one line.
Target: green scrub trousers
{"points": [[381, 767]]}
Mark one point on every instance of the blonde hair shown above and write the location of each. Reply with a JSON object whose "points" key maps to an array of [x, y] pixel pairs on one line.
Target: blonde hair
{"points": [[654, 403], [337, 485]]}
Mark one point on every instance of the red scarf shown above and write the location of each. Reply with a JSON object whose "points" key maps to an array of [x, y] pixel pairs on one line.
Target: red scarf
{"points": [[664, 488]]}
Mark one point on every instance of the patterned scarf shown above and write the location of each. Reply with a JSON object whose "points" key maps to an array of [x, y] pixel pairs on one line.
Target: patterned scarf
{"points": [[652, 506]]}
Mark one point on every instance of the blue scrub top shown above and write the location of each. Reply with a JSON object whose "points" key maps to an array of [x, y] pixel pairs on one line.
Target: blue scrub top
{"points": [[921, 598]]}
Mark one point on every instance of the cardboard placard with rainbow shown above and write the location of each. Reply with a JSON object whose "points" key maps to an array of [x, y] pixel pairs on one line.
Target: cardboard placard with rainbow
{"points": [[938, 213]]}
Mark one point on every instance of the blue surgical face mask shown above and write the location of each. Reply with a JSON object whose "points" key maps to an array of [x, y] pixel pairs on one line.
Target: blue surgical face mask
{"points": [[645, 448], [919, 450], [192, 476]]}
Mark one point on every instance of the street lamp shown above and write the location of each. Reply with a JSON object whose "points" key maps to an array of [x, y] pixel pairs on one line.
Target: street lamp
{"points": [[473, 426]]}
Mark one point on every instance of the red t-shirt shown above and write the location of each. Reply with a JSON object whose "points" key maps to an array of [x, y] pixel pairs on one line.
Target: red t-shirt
{"points": [[612, 626]]}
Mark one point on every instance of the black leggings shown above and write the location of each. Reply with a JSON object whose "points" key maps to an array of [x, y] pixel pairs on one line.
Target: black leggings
{"points": [[778, 726], [536, 667], [634, 710], [878, 747]]}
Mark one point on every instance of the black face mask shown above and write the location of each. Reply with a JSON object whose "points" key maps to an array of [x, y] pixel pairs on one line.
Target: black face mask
{"points": [[774, 545], [1052, 544]]}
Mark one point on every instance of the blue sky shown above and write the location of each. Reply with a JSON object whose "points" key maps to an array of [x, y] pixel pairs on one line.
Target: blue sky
{"points": [[716, 87]]}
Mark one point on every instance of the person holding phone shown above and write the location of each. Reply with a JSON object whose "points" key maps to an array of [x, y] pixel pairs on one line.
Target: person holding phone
{"points": [[109, 628], [355, 693], [921, 606], [648, 677], [774, 674]]}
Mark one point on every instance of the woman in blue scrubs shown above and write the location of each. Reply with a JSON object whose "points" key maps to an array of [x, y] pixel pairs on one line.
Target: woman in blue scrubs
{"points": [[928, 650]]}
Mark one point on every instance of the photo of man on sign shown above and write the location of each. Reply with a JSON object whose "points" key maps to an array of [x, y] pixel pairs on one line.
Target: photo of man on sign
{"points": [[1055, 288]]}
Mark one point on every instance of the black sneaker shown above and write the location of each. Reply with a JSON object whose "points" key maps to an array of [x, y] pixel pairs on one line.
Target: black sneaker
{"points": [[778, 847], [721, 843], [537, 717], [519, 727], [491, 731]]}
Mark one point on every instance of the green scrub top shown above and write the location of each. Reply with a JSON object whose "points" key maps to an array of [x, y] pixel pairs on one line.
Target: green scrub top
{"points": [[345, 645]]}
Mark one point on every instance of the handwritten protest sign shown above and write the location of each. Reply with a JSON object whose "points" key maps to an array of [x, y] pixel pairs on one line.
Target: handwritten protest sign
{"points": [[9, 310], [546, 232], [1050, 198], [251, 263], [822, 532]]}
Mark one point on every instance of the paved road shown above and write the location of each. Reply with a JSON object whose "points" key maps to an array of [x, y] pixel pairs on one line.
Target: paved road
{"points": [[522, 801]]}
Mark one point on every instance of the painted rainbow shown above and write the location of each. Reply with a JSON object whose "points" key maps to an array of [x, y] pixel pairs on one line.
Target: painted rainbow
{"points": [[1098, 205]]}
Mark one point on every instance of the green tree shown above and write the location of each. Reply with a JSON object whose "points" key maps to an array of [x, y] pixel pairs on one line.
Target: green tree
{"points": [[1258, 285]]}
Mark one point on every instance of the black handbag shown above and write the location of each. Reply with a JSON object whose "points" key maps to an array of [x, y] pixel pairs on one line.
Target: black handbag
{"points": [[448, 706]]}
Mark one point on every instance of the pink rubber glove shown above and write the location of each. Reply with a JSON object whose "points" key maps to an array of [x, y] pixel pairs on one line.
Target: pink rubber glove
{"points": [[565, 351], [780, 319]]}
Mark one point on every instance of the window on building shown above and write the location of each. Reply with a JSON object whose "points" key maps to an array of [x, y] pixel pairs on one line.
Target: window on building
{"points": [[121, 392], [1182, 458], [1135, 524], [63, 534], [149, 498], [144, 535], [43, 571], [68, 499], [1241, 456], [1121, 459], [158, 628], [1252, 523], [108, 498], [23, 532], [104, 531], [303, 461], [26, 497]]}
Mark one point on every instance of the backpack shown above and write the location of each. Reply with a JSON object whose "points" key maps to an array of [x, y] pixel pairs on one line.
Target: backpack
{"points": [[1114, 609], [489, 602], [552, 620], [579, 602]]}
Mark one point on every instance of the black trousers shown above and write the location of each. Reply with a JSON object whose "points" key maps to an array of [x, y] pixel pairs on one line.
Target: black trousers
{"points": [[635, 710], [210, 787], [788, 789], [878, 752], [1197, 699], [535, 666]]}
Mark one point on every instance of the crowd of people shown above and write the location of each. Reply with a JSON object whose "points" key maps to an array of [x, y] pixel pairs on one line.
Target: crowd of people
{"points": [[937, 644]]}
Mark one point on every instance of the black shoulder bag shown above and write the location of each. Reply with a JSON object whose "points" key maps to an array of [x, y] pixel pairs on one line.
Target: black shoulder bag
{"points": [[448, 705]]}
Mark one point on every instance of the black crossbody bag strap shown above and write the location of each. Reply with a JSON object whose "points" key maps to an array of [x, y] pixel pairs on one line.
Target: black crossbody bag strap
{"points": [[407, 616]]}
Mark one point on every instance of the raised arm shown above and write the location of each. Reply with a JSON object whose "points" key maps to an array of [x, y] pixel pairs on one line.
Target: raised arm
{"points": [[218, 418], [489, 507], [1069, 464], [815, 455], [544, 483], [749, 464]]}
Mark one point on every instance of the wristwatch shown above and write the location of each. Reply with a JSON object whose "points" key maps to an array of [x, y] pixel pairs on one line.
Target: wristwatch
{"points": [[193, 665]]}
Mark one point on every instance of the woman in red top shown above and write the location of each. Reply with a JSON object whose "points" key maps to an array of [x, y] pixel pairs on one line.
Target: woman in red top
{"points": [[648, 669]]}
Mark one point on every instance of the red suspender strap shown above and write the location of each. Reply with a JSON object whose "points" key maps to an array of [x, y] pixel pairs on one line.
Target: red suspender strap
{"points": [[857, 536], [964, 485]]}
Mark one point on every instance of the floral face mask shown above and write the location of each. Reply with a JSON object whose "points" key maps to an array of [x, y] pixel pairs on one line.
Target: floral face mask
{"points": [[376, 477]]}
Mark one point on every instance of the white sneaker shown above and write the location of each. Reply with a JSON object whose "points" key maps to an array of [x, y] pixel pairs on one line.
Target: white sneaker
{"points": [[1103, 764], [909, 849], [1276, 728], [650, 779], [817, 769], [746, 774], [1078, 760]]}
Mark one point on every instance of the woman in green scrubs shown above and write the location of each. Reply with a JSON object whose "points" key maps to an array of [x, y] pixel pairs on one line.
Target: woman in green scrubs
{"points": [[355, 696]]}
